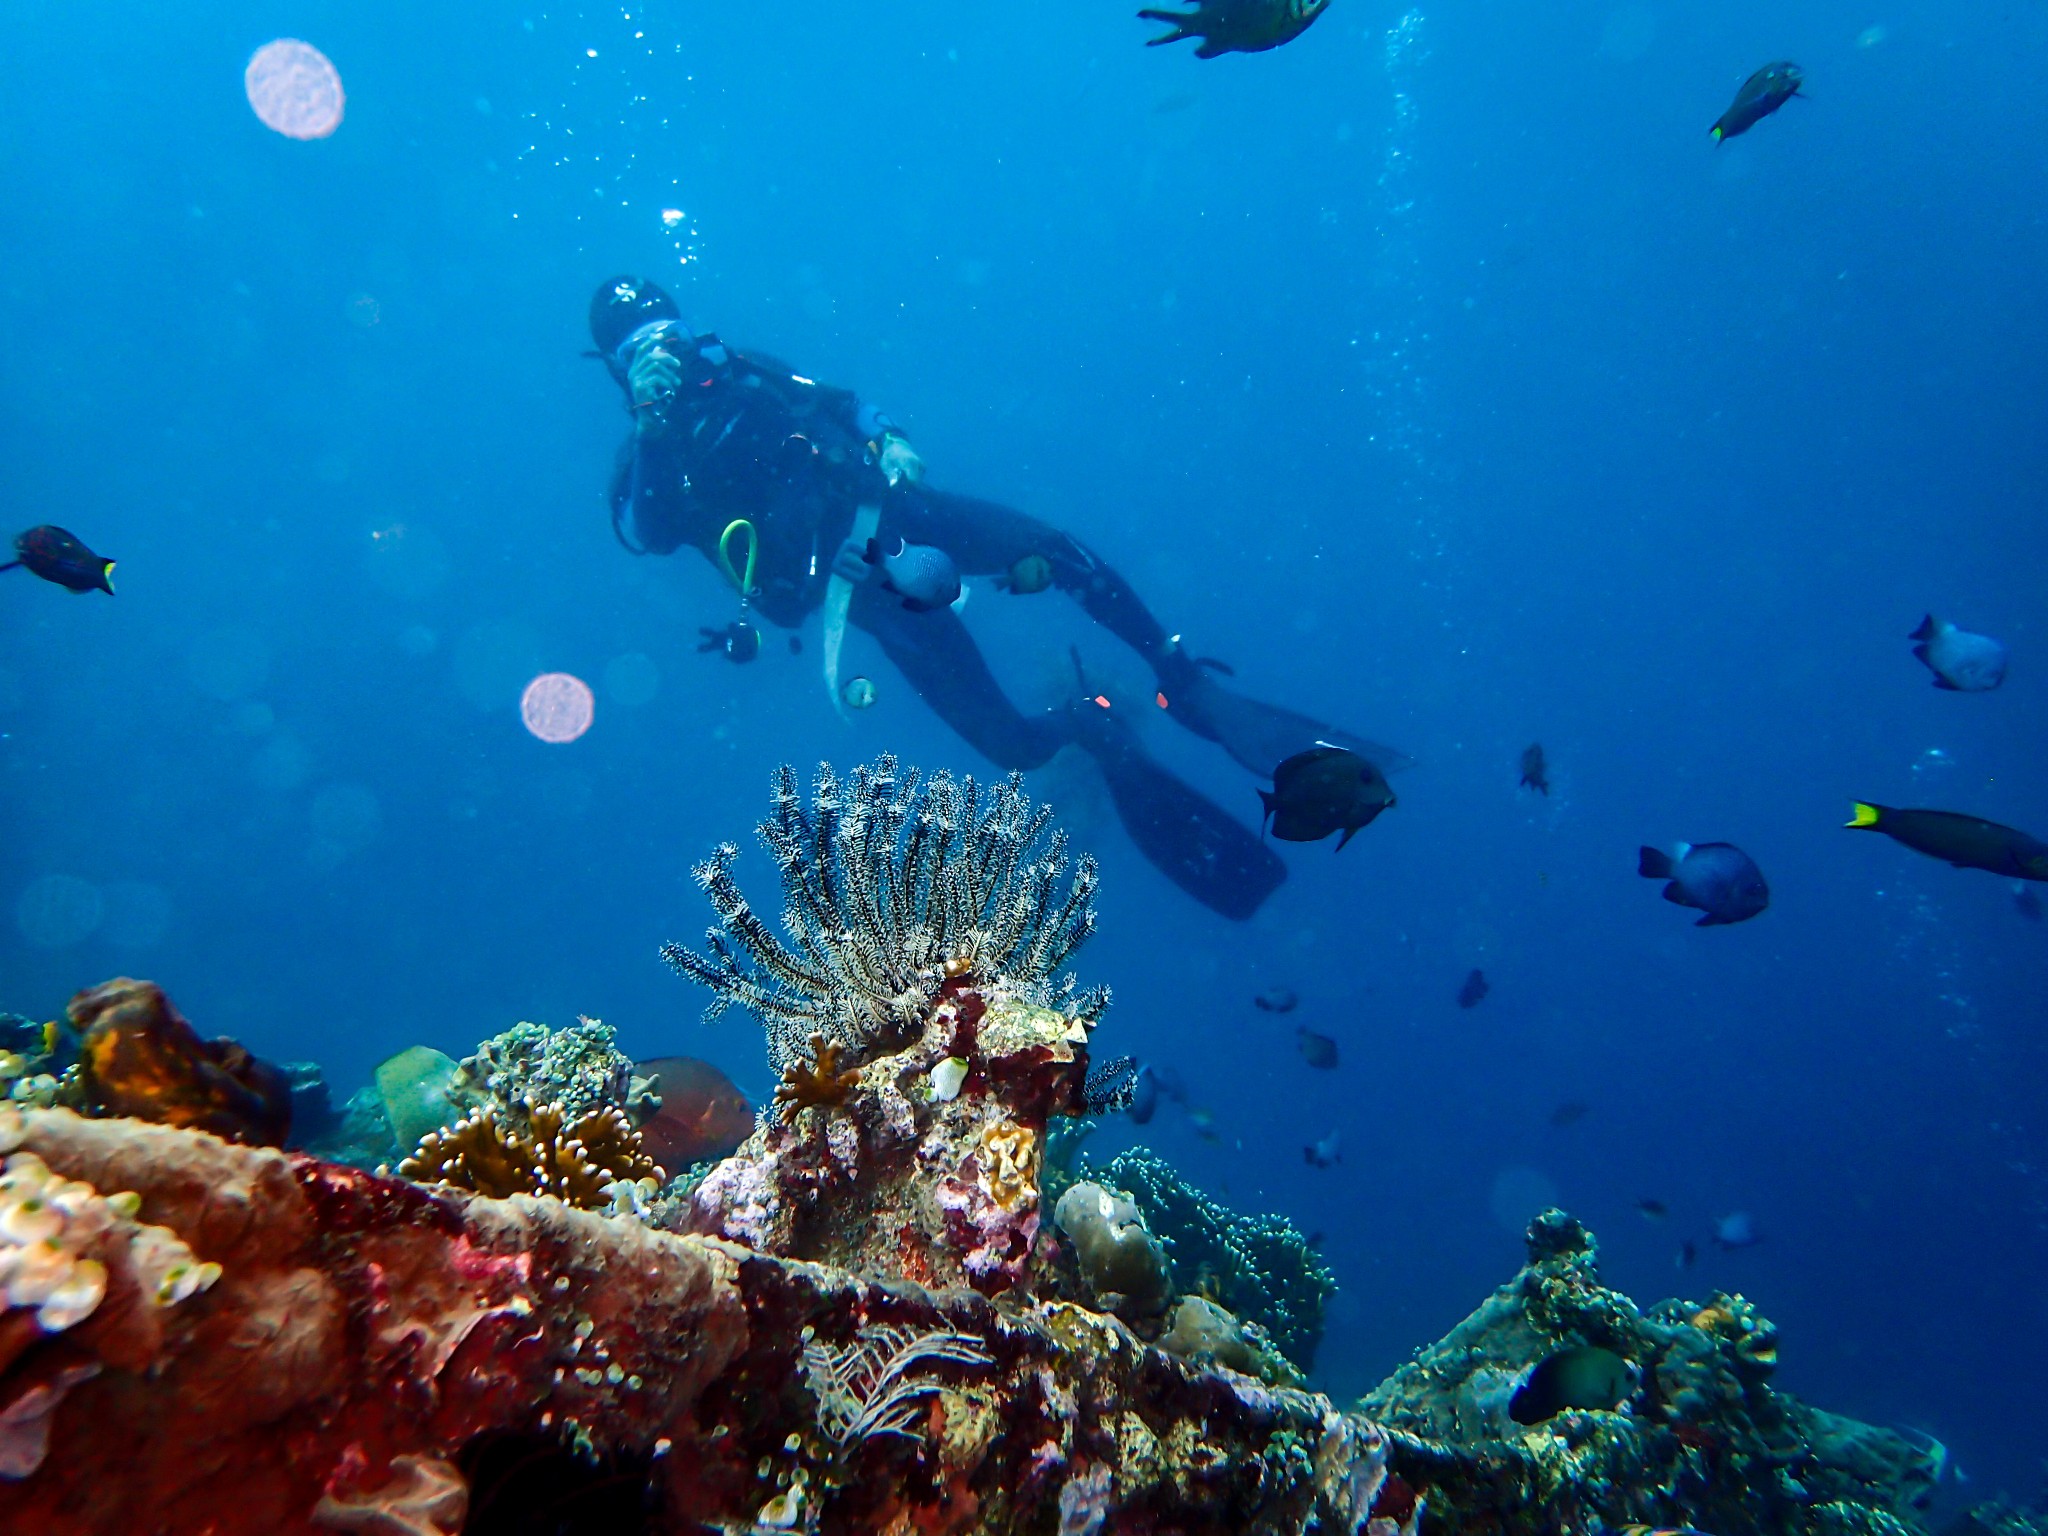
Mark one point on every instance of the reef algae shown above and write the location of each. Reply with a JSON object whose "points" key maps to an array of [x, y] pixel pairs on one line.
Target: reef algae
{"points": [[1700, 1440]]}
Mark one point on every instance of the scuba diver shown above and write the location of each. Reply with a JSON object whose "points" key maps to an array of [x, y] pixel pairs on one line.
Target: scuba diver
{"points": [[809, 499]]}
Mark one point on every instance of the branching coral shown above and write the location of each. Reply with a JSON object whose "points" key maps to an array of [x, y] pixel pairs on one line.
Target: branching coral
{"points": [[578, 1162], [867, 1388], [817, 1083], [580, 1068], [890, 886]]}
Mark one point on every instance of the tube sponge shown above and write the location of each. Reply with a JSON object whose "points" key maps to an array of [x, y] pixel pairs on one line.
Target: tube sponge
{"points": [[1124, 1264]]}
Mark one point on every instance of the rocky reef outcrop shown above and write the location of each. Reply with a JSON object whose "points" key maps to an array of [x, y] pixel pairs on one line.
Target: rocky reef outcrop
{"points": [[1693, 1435], [865, 1320]]}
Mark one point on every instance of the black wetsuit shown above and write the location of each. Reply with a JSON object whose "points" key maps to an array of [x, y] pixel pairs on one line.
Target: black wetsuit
{"points": [[747, 437]]}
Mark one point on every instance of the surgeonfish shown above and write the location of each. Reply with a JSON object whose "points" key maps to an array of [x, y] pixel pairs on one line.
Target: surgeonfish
{"points": [[1586, 1377], [56, 556], [1967, 842], [1960, 661], [1237, 26], [1277, 1000], [1761, 95], [1473, 993], [1718, 879], [1323, 790], [1535, 771], [923, 575]]}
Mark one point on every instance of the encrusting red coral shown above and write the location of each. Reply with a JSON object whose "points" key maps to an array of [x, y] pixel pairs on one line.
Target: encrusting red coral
{"points": [[373, 1347]]}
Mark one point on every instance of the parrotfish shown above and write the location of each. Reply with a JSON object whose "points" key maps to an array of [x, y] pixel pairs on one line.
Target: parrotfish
{"points": [[1968, 842], [1238, 26], [1960, 661], [1718, 879], [51, 553], [1761, 95], [1323, 790]]}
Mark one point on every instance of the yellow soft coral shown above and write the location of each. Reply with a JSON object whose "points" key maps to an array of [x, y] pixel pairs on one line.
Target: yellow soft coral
{"points": [[52, 1230]]}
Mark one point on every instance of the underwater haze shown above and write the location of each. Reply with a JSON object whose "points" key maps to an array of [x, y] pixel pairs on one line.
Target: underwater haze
{"points": [[1437, 371]]}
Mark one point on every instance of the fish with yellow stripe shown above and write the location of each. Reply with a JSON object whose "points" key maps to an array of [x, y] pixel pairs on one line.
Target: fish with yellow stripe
{"points": [[1967, 842]]}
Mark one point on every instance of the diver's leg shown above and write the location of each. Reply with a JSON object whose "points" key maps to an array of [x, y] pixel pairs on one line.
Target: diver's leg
{"points": [[985, 536], [940, 660]]}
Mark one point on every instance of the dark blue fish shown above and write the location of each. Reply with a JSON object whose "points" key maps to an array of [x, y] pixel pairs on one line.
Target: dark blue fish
{"points": [[1325, 1153], [1277, 1000], [1761, 95], [1473, 993], [51, 553], [923, 575], [1718, 879], [1238, 26], [1318, 1050], [1323, 790], [1960, 661]]}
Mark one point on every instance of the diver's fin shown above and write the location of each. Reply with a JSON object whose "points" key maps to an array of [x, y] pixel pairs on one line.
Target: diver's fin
{"points": [[1261, 735], [1929, 627], [1186, 836], [1862, 815], [1653, 864]]}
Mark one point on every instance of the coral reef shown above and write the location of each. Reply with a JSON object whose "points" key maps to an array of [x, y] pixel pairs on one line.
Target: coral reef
{"points": [[378, 1356], [416, 1089], [1703, 1441], [1124, 1267], [581, 1161], [891, 886], [1258, 1267], [819, 1082], [929, 927], [138, 1056], [580, 1068], [82, 1287]]}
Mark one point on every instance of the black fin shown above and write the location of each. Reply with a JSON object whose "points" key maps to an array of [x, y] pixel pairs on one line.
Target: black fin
{"points": [[1348, 833], [1924, 632], [1675, 894], [10, 565], [1653, 864], [1942, 682]]}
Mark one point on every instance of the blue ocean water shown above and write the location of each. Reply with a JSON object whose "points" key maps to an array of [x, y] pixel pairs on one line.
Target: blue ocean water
{"points": [[1436, 370]]}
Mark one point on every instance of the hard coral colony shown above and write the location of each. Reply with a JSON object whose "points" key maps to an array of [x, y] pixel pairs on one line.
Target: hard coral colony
{"points": [[807, 1336]]}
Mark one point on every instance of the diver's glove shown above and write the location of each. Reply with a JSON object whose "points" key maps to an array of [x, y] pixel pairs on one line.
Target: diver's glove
{"points": [[897, 460], [654, 378], [852, 562]]}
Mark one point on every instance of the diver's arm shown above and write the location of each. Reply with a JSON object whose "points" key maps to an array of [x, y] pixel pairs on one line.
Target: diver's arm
{"points": [[863, 427]]}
